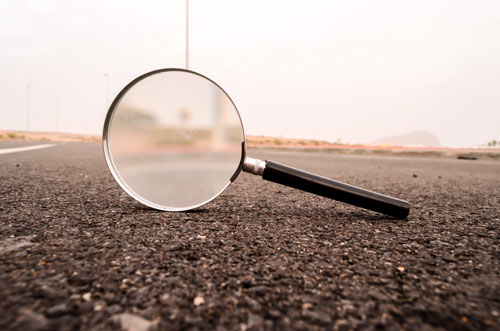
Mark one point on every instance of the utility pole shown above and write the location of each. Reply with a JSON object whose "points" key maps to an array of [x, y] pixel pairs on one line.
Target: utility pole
{"points": [[27, 137]]}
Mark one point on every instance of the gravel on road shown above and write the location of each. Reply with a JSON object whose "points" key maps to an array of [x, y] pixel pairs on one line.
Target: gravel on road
{"points": [[76, 252]]}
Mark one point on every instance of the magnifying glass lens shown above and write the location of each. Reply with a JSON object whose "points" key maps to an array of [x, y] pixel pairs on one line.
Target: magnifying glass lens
{"points": [[173, 139]]}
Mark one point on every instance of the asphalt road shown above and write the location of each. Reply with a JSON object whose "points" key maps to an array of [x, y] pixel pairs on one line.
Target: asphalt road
{"points": [[77, 253]]}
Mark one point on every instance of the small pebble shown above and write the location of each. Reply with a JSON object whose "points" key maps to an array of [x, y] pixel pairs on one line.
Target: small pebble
{"points": [[30, 320], [57, 310], [131, 322], [341, 325], [199, 300]]}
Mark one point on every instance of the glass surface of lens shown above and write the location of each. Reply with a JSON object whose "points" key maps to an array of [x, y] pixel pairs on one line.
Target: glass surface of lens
{"points": [[173, 139]]}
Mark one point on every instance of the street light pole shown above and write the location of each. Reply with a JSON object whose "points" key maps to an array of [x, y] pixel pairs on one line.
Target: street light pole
{"points": [[106, 75], [56, 114], [187, 34], [27, 137]]}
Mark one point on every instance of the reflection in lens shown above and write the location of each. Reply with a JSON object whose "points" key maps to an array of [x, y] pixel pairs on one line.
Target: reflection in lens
{"points": [[174, 140]]}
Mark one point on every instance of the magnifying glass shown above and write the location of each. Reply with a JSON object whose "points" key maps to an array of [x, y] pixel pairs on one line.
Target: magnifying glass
{"points": [[174, 140]]}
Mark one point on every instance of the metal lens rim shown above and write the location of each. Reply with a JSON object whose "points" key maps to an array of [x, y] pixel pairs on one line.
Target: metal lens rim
{"points": [[109, 159]]}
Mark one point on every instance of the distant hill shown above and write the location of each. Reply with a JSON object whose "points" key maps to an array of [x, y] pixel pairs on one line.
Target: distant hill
{"points": [[419, 138]]}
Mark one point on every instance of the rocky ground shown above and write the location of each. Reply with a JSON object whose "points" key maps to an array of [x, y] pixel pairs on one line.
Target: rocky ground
{"points": [[77, 253]]}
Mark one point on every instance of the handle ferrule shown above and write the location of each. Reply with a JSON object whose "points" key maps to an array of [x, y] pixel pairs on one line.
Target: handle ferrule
{"points": [[254, 166]]}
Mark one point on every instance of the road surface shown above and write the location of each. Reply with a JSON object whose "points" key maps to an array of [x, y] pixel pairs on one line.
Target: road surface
{"points": [[77, 253]]}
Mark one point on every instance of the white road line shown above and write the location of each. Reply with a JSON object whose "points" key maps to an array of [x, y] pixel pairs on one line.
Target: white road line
{"points": [[24, 149]]}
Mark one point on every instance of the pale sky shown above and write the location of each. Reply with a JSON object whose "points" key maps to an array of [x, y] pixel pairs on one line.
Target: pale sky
{"points": [[350, 70]]}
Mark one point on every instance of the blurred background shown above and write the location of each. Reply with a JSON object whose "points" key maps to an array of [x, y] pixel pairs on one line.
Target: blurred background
{"points": [[341, 71]]}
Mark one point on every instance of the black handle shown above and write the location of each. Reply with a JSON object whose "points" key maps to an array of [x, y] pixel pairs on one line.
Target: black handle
{"points": [[332, 189]]}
